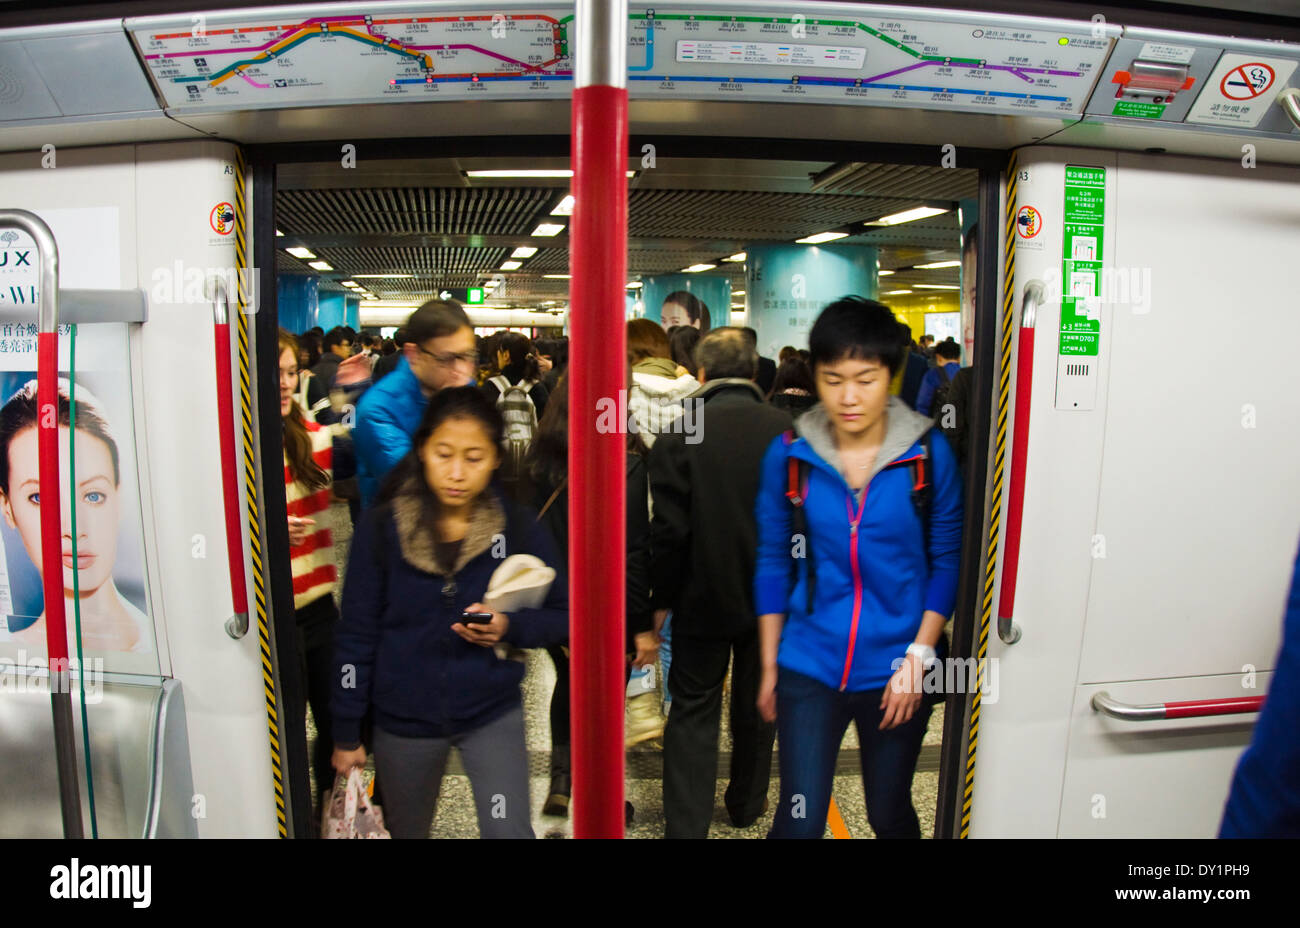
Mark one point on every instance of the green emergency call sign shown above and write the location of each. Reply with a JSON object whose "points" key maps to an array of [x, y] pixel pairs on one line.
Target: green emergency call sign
{"points": [[474, 295], [1084, 221]]}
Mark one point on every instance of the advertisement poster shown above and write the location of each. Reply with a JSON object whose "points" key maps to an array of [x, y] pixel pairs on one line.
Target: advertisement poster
{"points": [[687, 299], [108, 573]]}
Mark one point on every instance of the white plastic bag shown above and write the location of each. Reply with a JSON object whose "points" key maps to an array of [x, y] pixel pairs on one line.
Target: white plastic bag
{"points": [[350, 813]]}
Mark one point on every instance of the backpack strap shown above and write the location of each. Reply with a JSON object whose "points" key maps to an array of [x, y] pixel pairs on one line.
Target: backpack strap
{"points": [[922, 470], [797, 492], [558, 490]]}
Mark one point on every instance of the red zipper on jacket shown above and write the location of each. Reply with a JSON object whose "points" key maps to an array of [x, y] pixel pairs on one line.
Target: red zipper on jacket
{"points": [[857, 579], [857, 569]]}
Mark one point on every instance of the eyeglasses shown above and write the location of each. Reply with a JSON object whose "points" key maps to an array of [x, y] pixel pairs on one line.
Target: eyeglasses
{"points": [[447, 360]]}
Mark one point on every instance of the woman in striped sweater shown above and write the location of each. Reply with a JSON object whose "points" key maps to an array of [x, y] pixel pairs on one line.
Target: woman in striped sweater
{"points": [[310, 466]]}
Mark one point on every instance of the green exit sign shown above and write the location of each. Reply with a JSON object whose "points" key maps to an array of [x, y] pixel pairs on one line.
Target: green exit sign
{"points": [[474, 295]]}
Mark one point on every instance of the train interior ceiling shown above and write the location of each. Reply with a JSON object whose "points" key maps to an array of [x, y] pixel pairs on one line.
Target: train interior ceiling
{"points": [[402, 231], [438, 226]]}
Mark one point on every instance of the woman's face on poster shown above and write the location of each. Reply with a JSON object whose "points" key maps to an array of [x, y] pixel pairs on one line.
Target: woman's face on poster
{"points": [[98, 506], [675, 314]]}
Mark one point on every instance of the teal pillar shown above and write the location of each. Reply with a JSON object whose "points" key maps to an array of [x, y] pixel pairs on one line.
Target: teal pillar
{"points": [[296, 302], [332, 311], [787, 286], [695, 299]]}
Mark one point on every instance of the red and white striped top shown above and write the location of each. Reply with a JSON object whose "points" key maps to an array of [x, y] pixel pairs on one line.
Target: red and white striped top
{"points": [[314, 572]]}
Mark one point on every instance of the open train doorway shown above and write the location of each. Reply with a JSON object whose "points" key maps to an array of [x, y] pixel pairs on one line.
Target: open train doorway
{"points": [[764, 241]]}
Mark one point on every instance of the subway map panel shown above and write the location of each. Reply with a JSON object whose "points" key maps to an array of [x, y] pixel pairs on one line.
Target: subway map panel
{"points": [[956, 62]]}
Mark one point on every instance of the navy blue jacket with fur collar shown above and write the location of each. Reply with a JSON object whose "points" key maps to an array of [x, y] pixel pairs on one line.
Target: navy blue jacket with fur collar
{"points": [[394, 642]]}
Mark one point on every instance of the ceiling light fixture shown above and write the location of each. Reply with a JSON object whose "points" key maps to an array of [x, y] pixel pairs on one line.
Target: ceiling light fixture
{"points": [[564, 207], [523, 251], [738, 256], [935, 265], [885, 273], [936, 286], [908, 215], [695, 268], [382, 276], [821, 237], [300, 252], [511, 265], [321, 265], [556, 276], [896, 293], [548, 229]]}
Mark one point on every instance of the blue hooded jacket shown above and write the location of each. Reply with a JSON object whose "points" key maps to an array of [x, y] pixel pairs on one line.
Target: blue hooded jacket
{"points": [[387, 416], [874, 582]]}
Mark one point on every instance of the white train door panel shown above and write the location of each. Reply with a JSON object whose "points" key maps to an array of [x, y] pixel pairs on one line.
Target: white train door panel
{"points": [[1162, 503], [1199, 503]]}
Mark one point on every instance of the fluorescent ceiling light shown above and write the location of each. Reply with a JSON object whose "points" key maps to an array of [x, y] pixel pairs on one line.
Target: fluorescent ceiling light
{"points": [[885, 273], [821, 237], [351, 283], [634, 285], [300, 252], [896, 293], [908, 215], [527, 173], [565, 207], [556, 276], [321, 265], [279, 234], [511, 265], [698, 267], [548, 228], [737, 292], [936, 264], [382, 276], [523, 251], [936, 286], [738, 256]]}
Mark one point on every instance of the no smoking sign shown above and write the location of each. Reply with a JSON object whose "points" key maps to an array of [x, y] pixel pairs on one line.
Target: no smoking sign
{"points": [[1247, 81]]}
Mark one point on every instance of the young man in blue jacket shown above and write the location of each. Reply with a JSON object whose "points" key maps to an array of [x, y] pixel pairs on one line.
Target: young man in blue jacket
{"points": [[850, 614], [440, 352]]}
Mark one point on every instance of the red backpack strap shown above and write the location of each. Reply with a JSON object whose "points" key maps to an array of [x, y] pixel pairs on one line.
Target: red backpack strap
{"points": [[793, 484]]}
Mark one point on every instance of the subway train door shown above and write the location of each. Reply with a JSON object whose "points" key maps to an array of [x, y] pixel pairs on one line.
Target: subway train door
{"points": [[180, 716], [1160, 494]]}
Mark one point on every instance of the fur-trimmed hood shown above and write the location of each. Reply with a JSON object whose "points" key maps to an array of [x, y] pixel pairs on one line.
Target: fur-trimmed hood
{"points": [[415, 528]]}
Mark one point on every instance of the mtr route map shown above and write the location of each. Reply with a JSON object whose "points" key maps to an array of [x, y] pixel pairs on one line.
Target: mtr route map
{"points": [[393, 57]]}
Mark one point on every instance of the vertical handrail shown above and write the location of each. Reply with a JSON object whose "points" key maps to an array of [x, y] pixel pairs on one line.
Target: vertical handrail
{"points": [[237, 624], [598, 366], [1008, 631], [56, 621]]}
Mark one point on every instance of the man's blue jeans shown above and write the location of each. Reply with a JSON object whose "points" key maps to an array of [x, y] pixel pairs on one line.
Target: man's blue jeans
{"points": [[811, 719]]}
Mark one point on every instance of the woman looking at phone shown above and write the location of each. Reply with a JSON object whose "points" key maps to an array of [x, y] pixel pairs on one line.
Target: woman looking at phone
{"points": [[406, 647]]}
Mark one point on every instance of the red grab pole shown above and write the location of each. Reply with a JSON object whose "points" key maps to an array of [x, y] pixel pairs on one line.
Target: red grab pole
{"points": [[598, 367], [1019, 454], [47, 450], [238, 623]]}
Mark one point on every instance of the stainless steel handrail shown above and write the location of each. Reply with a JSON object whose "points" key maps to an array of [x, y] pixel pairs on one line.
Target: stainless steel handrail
{"points": [[1289, 100]]}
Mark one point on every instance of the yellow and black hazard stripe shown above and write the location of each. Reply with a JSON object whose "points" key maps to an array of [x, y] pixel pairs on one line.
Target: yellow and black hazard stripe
{"points": [[995, 517], [245, 286]]}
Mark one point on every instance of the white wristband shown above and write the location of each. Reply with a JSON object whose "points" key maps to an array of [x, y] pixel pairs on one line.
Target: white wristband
{"points": [[926, 653]]}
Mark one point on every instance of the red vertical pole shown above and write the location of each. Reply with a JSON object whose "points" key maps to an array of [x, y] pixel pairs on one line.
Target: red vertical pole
{"points": [[229, 465], [1019, 463], [598, 367]]}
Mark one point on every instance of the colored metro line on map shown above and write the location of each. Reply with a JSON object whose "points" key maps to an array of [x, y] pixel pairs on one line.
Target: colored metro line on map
{"points": [[359, 57]]}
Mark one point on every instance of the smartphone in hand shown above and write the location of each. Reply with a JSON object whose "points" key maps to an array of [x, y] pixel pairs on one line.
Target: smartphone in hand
{"points": [[476, 618]]}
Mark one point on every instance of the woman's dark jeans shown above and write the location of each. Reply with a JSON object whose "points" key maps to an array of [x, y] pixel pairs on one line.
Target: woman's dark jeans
{"points": [[811, 719]]}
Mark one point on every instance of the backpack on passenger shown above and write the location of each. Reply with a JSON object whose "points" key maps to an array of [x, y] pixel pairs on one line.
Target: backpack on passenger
{"points": [[520, 415], [954, 393]]}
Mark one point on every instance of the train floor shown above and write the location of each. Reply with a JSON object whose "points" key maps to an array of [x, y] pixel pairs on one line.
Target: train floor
{"points": [[455, 816], [644, 778]]}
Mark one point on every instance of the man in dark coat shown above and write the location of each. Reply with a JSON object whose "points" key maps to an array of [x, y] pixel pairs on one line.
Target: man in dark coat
{"points": [[704, 476], [766, 366]]}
